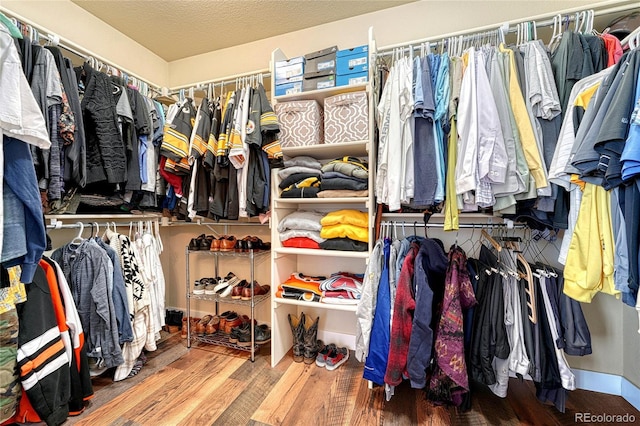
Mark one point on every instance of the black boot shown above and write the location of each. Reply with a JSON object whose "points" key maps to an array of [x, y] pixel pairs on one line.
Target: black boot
{"points": [[297, 328], [310, 340]]}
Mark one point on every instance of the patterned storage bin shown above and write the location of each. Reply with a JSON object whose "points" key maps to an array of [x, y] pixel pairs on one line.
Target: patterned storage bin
{"points": [[346, 118], [300, 123]]}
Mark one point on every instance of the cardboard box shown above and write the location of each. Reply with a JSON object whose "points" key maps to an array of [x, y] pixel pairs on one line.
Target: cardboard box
{"points": [[288, 88], [351, 61], [320, 63], [301, 123], [318, 83], [289, 71], [351, 79]]}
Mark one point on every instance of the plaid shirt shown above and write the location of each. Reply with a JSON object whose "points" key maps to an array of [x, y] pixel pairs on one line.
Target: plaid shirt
{"points": [[404, 307]]}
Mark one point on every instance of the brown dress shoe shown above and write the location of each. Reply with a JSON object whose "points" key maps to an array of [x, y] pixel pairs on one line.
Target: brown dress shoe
{"points": [[233, 320], [228, 243], [215, 244], [256, 289], [202, 324], [212, 326], [236, 293], [223, 319]]}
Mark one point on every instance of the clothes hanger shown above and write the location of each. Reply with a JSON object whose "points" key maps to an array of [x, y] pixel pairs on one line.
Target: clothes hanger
{"points": [[529, 288], [490, 239], [12, 27], [78, 238]]}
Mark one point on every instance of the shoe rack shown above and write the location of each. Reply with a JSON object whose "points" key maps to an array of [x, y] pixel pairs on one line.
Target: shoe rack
{"points": [[219, 338], [337, 322]]}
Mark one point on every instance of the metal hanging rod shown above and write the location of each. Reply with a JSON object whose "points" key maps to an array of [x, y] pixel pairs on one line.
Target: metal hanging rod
{"points": [[75, 225], [540, 21], [55, 40], [462, 225], [223, 81]]}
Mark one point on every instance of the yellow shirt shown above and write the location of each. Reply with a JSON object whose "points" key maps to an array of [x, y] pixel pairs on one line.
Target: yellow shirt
{"points": [[451, 217], [589, 267], [523, 123]]}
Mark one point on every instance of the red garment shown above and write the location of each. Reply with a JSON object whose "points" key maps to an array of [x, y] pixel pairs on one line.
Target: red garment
{"points": [[173, 180], [301, 242], [403, 309], [613, 47]]}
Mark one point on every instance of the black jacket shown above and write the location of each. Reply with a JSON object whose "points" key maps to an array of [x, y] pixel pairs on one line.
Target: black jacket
{"points": [[106, 156]]}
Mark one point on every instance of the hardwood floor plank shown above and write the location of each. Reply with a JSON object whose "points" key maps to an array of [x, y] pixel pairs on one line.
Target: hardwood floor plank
{"points": [[429, 414], [368, 407], [215, 403], [314, 403], [278, 402], [526, 406], [258, 386], [197, 385], [349, 384], [400, 410], [113, 411], [495, 410]]}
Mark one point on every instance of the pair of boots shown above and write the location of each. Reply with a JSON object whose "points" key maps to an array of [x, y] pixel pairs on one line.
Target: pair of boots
{"points": [[305, 338]]}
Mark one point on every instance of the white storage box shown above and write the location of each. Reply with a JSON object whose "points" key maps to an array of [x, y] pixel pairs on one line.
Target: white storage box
{"points": [[301, 123], [346, 118]]}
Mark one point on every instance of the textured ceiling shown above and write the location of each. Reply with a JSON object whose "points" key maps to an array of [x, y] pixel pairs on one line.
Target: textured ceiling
{"points": [[179, 29]]}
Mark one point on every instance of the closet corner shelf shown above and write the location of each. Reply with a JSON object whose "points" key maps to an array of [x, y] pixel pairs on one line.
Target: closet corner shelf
{"points": [[256, 253], [336, 307], [349, 200], [216, 298], [323, 253], [321, 94], [221, 339], [329, 150]]}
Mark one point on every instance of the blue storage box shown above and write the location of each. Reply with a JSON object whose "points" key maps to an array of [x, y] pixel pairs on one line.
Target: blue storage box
{"points": [[288, 88], [289, 71], [351, 61], [351, 79]]}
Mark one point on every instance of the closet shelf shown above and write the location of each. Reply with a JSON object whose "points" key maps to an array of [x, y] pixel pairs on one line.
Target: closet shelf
{"points": [[322, 201], [322, 253], [348, 308], [256, 253], [321, 94], [216, 298], [221, 339], [462, 217], [330, 150], [101, 217]]}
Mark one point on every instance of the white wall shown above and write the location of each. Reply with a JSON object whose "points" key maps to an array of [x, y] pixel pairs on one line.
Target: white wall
{"points": [[74, 24], [412, 21]]}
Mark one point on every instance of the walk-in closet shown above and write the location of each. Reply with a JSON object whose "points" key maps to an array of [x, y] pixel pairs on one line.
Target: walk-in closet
{"points": [[403, 212]]}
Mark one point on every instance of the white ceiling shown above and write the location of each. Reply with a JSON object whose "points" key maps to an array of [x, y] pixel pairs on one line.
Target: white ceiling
{"points": [[181, 28]]}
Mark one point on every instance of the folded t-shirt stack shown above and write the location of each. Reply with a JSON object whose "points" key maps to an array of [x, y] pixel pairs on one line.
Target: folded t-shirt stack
{"points": [[346, 230], [301, 287], [342, 288], [301, 229], [344, 177], [300, 177]]}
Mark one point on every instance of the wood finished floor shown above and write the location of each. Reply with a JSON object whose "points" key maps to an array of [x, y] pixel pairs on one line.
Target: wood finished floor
{"points": [[210, 385]]}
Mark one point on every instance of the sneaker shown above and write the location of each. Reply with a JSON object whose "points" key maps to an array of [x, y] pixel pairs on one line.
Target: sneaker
{"points": [[199, 286], [336, 359], [231, 283], [225, 282], [324, 352], [210, 287]]}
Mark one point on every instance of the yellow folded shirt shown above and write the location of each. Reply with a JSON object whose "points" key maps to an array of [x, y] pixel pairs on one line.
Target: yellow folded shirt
{"points": [[356, 233], [351, 217]]}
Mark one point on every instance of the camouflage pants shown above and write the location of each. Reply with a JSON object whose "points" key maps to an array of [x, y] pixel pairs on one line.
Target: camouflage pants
{"points": [[10, 388]]}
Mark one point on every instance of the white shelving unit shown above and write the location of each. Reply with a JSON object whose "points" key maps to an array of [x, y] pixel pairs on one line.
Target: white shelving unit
{"points": [[337, 322]]}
